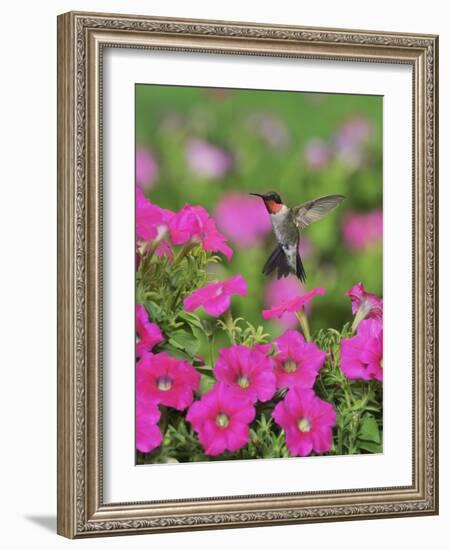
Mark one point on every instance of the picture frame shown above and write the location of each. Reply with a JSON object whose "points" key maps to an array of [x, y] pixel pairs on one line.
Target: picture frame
{"points": [[82, 41]]}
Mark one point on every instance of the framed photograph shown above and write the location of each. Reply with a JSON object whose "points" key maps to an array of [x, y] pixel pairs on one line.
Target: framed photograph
{"points": [[247, 285]]}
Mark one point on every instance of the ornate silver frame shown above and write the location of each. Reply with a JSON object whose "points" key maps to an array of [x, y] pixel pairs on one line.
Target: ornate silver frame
{"points": [[81, 39]]}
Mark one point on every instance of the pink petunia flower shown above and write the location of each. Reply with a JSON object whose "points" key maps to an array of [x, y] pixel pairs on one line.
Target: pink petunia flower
{"points": [[151, 220], [281, 290], [147, 334], [317, 154], [362, 355], [362, 231], [292, 305], [216, 297], [248, 372], [193, 223], [220, 420], [307, 422], [166, 380], [297, 362], [148, 434], [208, 160], [242, 219], [164, 249], [365, 304], [350, 140], [270, 129], [146, 169]]}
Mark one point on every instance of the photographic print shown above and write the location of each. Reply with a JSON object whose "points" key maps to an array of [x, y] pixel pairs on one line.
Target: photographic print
{"points": [[243, 210], [259, 274]]}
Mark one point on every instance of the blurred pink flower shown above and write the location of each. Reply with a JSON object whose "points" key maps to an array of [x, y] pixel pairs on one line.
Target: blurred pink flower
{"points": [[280, 290], [216, 297], [248, 373], [220, 420], [208, 160], [317, 153], [151, 220], [147, 334], [365, 304], [297, 362], [356, 130], [362, 231], [292, 305], [270, 128], [163, 379], [307, 421], [304, 247], [148, 434], [146, 169], [362, 355], [350, 140], [242, 218], [193, 223]]}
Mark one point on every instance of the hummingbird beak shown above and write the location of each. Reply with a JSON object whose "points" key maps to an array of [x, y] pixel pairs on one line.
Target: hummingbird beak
{"points": [[257, 195]]}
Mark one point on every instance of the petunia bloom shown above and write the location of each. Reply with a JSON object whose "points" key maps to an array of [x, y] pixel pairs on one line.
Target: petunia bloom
{"points": [[248, 372], [243, 219], [164, 249], [270, 129], [220, 420], [297, 362], [362, 231], [165, 380], [317, 154], [193, 223], [148, 434], [351, 139], [147, 334], [146, 169], [216, 297], [362, 355], [281, 290], [365, 304], [208, 160], [292, 305], [151, 220], [307, 421]]}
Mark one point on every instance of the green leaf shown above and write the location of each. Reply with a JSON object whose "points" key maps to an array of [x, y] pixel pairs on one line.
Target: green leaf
{"points": [[206, 383], [185, 341], [369, 429], [370, 446], [174, 352], [191, 319]]}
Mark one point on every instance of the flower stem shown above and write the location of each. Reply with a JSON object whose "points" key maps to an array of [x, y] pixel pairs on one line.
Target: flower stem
{"points": [[303, 320], [184, 252], [228, 319], [211, 349], [360, 316]]}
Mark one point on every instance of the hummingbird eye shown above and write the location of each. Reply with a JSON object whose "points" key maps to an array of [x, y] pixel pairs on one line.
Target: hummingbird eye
{"points": [[276, 197]]}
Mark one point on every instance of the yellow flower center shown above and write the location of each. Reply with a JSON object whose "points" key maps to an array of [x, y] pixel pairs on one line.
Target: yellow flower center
{"points": [[304, 425], [289, 366], [164, 383], [243, 381], [222, 420]]}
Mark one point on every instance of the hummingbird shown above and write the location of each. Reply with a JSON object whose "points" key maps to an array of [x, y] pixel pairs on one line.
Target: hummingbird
{"points": [[287, 224]]}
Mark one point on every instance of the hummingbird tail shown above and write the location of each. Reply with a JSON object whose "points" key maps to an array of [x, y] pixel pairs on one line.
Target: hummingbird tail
{"points": [[300, 271], [278, 260]]}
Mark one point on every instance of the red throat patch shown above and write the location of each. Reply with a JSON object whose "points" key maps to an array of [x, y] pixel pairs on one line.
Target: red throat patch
{"points": [[273, 207]]}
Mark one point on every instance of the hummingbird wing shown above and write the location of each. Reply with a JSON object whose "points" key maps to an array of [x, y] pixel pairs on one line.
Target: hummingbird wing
{"points": [[314, 210]]}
